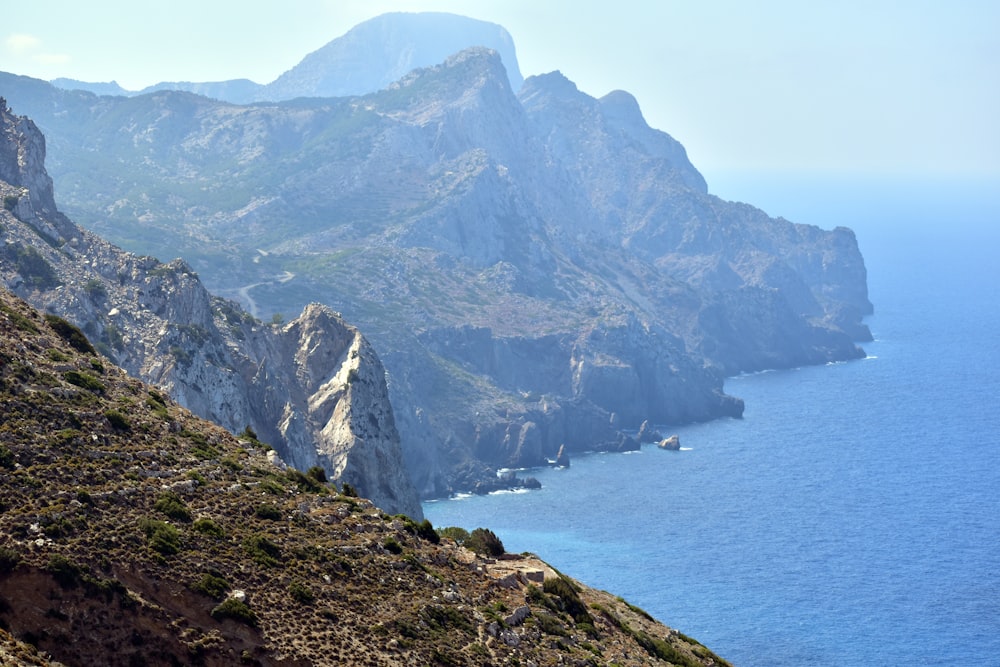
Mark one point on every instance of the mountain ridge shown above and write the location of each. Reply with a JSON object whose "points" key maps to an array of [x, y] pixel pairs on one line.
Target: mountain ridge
{"points": [[367, 58], [477, 237]]}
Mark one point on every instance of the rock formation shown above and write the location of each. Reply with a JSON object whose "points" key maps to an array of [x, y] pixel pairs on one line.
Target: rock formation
{"points": [[534, 268], [314, 388], [673, 442]]}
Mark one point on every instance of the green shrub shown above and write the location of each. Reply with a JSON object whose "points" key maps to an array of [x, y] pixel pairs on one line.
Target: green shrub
{"points": [[426, 531], [84, 381], [485, 543], [301, 593], [268, 512], [161, 536], [392, 546], [236, 610], [118, 421], [263, 551], [6, 457], [317, 473], [567, 600], [206, 526], [95, 288], [70, 333], [19, 320], [57, 355], [33, 267], [170, 504], [305, 483], [460, 535], [8, 559], [272, 487], [211, 585], [64, 571], [349, 491]]}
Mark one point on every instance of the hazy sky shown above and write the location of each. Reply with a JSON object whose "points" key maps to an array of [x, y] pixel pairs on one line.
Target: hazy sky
{"points": [[907, 86]]}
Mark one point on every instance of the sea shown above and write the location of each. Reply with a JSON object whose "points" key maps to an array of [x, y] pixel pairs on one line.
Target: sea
{"points": [[852, 516]]}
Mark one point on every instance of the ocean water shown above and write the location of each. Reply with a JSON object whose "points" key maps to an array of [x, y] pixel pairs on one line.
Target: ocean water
{"points": [[852, 517]]}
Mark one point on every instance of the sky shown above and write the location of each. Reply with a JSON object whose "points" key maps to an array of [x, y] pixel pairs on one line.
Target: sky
{"points": [[895, 87]]}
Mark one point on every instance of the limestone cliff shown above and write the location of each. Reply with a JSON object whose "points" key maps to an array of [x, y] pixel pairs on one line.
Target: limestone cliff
{"points": [[535, 268], [314, 389]]}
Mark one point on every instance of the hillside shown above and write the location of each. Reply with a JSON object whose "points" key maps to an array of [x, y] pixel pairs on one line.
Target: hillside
{"points": [[132, 532], [313, 387], [535, 268]]}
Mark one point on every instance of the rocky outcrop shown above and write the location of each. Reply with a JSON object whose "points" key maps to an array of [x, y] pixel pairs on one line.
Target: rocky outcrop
{"points": [[314, 389], [673, 443]]}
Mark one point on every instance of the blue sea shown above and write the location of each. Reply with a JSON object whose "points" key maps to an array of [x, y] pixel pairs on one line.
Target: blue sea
{"points": [[852, 517]]}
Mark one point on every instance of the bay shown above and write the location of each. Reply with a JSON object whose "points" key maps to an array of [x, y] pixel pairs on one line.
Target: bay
{"points": [[853, 515]]}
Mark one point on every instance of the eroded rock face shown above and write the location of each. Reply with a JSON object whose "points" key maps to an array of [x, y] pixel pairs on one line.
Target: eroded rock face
{"points": [[314, 389]]}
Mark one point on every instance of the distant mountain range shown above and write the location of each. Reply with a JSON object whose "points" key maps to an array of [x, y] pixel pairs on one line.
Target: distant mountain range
{"points": [[367, 58], [536, 267]]}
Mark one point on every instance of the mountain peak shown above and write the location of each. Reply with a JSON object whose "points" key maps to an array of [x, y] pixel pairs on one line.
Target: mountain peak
{"points": [[381, 50]]}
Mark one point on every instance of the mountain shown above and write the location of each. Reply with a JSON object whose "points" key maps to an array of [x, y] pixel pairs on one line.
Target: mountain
{"points": [[536, 269], [382, 50], [132, 532], [314, 388], [367, 58]]}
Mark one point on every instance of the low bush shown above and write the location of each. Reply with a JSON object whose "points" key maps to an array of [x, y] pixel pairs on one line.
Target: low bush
{"points": [[70, 333], [268, 512], [206, 526], [238, 610], [263, 551], [161, 536], [301, 593], [170, 504], [211, 585]]}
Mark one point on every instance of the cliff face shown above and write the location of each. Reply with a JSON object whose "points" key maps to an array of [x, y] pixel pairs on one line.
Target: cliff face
{"points": [[535, 269], [314, 389], [133, 532]]}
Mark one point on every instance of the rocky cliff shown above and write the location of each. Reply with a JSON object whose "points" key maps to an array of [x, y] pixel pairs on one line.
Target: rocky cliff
{"points": [[536, 268], [314, 388], [132, 532]]}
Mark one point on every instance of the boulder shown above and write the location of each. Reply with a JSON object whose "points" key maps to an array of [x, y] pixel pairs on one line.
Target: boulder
{"points": [[673, 443]]}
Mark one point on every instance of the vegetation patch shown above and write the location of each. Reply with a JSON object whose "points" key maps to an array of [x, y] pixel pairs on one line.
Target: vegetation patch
{"points": [[70, 333], [161, 536], [117, 420], [209, 527], [170, 504], [485, 543], [263, 551], [238, 610], [84, 381], [268, 512], [212, 585], [301, 593]]}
